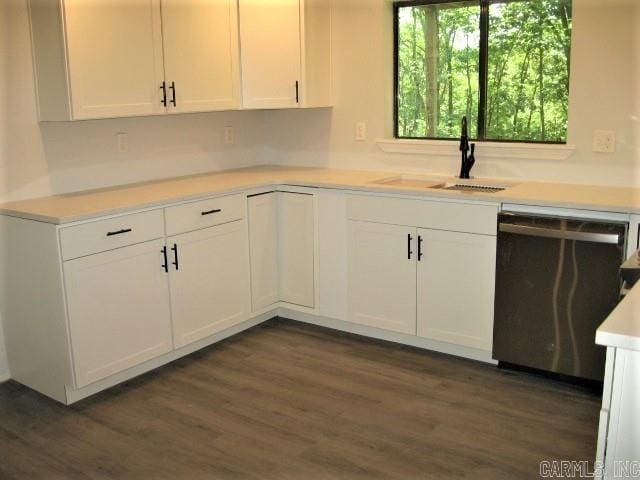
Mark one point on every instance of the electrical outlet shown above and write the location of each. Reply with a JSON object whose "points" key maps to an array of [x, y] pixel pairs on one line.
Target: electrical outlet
{"points": [[604, 141], [361, 131], [229, 135], [123, 142]]}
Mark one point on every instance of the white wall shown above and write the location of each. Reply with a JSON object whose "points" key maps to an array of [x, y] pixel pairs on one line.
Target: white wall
{"points": [[43, 159], [605, 84], [39, 160]]}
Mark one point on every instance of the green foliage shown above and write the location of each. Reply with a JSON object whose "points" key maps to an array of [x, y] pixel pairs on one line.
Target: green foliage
{"points": [[528, 69]]}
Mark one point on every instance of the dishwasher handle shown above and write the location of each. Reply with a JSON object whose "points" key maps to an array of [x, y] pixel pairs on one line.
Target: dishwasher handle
{"points": [[608, 238]]}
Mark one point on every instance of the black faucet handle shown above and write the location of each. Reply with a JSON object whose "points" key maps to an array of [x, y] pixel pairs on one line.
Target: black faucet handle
{"points": [[472, 159]]}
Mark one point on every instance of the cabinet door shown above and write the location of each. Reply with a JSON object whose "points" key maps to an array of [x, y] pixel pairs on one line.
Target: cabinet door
{"points": [[270, 42], [296, 248], [200, 40], [456, 284], [382, 276], [263, 249], [115, 57], [118, 304], [210, 283]]}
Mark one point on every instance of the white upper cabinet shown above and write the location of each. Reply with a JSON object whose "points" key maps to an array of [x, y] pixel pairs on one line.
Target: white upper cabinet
{"points": [[286, 55], [201, 60], [270, 33], [97, 59], [101, 59]]}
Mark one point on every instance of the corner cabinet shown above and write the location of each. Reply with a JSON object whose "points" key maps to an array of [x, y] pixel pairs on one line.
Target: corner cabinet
{"points": [[139, 57], [282, 249], [286, 53]]}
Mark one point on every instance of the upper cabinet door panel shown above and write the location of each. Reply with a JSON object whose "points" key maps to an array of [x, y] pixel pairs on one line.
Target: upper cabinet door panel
{"points": [[201, 54], [114, 50], [270, 38]]}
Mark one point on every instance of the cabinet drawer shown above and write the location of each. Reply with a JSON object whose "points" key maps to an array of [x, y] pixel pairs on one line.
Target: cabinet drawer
{"points": [[206, 213], [451, 216], [103, 235]]}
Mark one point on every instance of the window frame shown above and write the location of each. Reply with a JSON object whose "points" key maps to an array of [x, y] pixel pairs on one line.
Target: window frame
{"points": [[483, 71]]}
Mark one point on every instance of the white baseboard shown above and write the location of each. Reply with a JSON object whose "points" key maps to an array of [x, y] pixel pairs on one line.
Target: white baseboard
{"points": [[286, 311], [74, 395], [4, 376], [411, 340]]}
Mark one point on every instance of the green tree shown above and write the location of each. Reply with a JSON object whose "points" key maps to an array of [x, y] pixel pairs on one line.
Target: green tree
{"points": [[528, 69]]}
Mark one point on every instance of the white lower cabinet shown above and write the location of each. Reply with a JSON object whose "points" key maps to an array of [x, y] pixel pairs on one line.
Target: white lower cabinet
{"points": [[296, 248], [263, 247], [435, 283], [118, 308], [209, 278], [456, 283], [282, 246], [382, 276]]}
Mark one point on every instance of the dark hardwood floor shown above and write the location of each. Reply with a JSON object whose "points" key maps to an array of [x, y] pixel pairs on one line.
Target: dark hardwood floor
{"points": [[286, 400]]}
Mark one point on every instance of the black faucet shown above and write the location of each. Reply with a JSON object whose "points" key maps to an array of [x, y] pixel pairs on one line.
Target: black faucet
{"points": [[467, 160]]}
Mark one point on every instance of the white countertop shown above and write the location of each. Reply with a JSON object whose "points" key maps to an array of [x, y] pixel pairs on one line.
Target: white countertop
{"points": [[61, 209], [621, 329]]}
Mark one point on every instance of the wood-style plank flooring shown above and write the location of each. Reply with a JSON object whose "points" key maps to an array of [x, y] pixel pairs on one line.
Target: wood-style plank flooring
{"points": [[286, 400]]}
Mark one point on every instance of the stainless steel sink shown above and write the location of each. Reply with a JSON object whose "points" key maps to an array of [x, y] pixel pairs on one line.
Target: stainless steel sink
{"points": [[474, 185]]}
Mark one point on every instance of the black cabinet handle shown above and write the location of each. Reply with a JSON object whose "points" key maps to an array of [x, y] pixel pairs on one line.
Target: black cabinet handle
{"points": [[163, 87], [165, 265], [419, 248], [209, 212], [119, 232], [409, 240], [174, 249], [297, 91], [173, 93]]}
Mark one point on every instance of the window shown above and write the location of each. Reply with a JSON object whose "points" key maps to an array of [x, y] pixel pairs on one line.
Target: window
{"points": [[502, 63]]}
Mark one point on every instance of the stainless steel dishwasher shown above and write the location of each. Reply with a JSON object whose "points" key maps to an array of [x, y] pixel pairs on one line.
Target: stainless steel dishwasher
{"points": [[557, 279]]}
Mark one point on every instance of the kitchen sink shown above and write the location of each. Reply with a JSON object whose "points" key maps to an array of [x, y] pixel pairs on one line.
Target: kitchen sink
{"points": [[473, 185], [411, 181]]}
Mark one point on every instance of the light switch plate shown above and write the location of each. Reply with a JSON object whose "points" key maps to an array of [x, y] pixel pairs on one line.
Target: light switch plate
{"points": [[361, 131], [604, 141], [123, 142], [229, 135]]}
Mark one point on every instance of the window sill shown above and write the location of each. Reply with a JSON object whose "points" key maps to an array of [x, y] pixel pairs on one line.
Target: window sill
{"points": [[449, 148]]}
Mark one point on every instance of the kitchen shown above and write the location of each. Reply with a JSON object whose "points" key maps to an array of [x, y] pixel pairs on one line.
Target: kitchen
{"points": [[51, 158]]}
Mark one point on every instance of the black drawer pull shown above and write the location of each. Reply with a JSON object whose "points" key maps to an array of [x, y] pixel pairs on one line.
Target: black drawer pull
{"points": [[174, 249], [209, 212], [163, 87], [409, 251], [165, 265], [419, 248], [119, 232], [172, 87]]}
